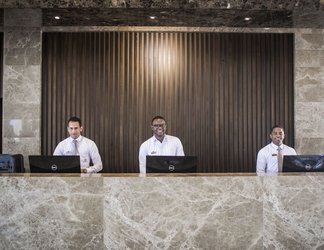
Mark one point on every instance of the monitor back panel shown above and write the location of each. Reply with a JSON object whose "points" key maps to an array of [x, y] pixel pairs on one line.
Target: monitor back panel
{"points": [[54, 164], [171, 164], [303, 163], [11, 163]]}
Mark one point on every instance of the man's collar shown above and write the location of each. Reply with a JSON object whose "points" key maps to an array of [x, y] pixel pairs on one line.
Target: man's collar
{"points": [[275, 146], [164, 138], [78, 139]]}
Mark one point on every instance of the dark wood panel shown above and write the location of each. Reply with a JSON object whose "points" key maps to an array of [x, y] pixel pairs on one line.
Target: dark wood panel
{"points": [[220, 93], [1, 87]]}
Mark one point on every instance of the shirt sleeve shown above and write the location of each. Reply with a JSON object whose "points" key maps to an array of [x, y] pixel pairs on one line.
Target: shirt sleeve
{"points": [[180, 151], [142, 159], [59, 150], [261, 165], [96, 159], [293, 151]]}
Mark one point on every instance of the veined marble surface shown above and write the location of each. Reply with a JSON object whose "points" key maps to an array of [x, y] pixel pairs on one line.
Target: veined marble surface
{"points": [[239, 211], [293, 213], [184, 213], [51, 213]]}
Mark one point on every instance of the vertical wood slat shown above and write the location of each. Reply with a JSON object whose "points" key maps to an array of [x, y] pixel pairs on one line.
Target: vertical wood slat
{"points": [[220, 93], [1, 85]]}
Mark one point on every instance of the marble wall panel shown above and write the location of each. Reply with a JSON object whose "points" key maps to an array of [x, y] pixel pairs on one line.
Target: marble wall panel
{"points": [[310, 93], [21, 113], [183, 213], [19, 38], [309, 76], [309, 89], [22, 82], [22, 145], [309, 41], [309, 83], [309, 120], [51, 213], [293, 213], [15, 56], [308, 146], [22, 128], [309, 58]]}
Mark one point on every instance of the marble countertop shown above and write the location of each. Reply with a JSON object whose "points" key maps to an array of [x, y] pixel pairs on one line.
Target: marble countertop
{"points": [[169, 211]]}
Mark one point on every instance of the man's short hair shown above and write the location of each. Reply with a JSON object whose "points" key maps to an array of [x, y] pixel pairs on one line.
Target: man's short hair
{"points": [[158, 117], [276, 126], [75, 119]]}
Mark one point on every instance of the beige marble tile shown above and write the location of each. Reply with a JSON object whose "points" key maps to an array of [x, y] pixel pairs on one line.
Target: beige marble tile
{"points": [[310, 145], [183, 213], [21, 145], [309, 92], [19, 128], [51, 213], [293, 213], [18, 56], [23, 38], [21, 111], [309, 58], [309, 41], [309, 119], [308, 75], [22, 84]]}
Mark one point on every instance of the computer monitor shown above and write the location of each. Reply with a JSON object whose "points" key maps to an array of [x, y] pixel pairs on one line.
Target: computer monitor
{"points": [[303, 163], [54, 164], [171, 164], [11, 163]]}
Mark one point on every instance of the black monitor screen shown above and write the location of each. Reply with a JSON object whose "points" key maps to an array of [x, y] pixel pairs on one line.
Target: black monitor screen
{"points": [[303, 163], [54, 164], [171, 164]]}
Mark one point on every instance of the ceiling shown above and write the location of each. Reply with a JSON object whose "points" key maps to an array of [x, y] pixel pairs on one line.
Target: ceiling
{"points": [[177, 13], [184, 17]]}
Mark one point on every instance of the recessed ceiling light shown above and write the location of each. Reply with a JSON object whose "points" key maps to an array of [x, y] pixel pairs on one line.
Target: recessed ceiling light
{"points": [[57, 17], [152, 17], [247, 18]]}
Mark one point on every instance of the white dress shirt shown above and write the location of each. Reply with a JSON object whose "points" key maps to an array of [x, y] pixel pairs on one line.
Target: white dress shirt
{"points": [[88, 151], [267, 161], [170, 145]]}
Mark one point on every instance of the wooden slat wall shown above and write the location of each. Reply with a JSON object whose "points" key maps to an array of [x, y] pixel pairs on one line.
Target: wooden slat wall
{"points": [[220, 93], [1, 87]]}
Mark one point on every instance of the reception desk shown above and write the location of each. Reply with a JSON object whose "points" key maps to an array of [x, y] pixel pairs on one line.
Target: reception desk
{"points": [[125, 211]]}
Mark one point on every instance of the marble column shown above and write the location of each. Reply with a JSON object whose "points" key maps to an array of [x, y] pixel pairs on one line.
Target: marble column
{"points": [[22, 81], [309, 89]]}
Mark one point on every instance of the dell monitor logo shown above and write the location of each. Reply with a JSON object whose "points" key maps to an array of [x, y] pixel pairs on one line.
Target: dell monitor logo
{"points": [[54, 167], [171, 167]]}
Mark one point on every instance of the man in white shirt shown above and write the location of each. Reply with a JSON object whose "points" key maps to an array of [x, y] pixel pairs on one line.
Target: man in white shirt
{"points": [[267, 159], [85, 148], [159, 143]]}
